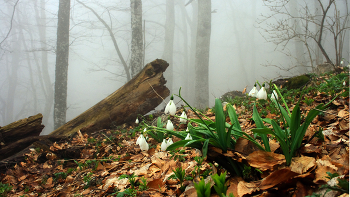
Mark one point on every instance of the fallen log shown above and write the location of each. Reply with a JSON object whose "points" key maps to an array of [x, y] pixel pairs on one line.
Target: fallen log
{"points": [[20, 129], [138, 96], [22, 144]]}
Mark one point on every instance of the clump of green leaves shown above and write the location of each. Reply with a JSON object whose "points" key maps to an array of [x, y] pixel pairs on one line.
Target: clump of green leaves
{"points": [[291, 136], [143, 185], [132, 179], [4, 189], [179, 174], [220, 186], [158, 136], [87, 180], [203, 190]]}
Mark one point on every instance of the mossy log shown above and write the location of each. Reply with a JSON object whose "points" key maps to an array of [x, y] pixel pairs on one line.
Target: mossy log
{"points": [[138, 96], [20, 129]]}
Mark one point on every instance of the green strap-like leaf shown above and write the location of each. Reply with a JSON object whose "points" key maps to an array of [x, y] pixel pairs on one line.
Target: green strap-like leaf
{"points": [[220, 124], [295, 121], [259, 124]]}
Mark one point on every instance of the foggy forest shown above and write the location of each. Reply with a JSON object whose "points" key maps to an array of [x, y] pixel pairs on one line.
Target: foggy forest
{"points": [[59, 58]]}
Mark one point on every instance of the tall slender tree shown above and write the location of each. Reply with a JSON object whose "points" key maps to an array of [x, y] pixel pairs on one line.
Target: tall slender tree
{"points": [[136, 37], [169, 41], [61, 73], [202, 54]]}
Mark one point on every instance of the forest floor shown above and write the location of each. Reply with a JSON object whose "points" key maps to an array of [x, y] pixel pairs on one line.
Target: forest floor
{"points": [[109, 163]]}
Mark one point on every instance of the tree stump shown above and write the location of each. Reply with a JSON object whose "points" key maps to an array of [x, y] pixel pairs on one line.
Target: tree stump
{"points": [[138, 96]]}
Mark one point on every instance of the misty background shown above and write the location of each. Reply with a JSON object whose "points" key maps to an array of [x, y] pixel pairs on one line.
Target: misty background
{"points": [[243, 48]]}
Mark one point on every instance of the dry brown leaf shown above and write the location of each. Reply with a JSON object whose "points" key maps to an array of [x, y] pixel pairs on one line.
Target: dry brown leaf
{"points": [[244, 188], [302, 164], [233, 185], [142, 171], [155, 184], [276, 178], [265, 160], [324, 166]]}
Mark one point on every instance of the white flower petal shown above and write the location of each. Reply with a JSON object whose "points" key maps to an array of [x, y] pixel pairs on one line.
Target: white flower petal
{"points": [[137, 121], [144, 145], [183, 117], [253, 92], [170, 125], [169, 142], [262, 94], [139, 139], [188, 137], [170, 108], [164, 145]]}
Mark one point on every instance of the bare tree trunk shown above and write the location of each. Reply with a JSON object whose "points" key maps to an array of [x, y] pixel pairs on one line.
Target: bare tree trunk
{"points": [[318, 14], [136, 37], [298, 45], [61, 73], [43, 71], [185, 76], [191, 71], [169, 42], [13, 77], [202, 54]]}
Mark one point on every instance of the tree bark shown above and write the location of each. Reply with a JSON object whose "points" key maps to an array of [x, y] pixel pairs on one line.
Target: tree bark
{"points": [[202, 54], [169, 41], [23, 128], [61, 73], [136, 37], [137, 97]]}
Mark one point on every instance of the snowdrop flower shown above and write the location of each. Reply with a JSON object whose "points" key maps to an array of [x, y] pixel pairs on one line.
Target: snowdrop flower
{"points": [[164, 145], [344, 83], [139, 139], [188, 137], [170, 107], [253, 92], [170, 125], [169, 142], [143, 144], [274, 95], [187, 129], [341, 62], [137, 121], [183, 117], [262, 93]]}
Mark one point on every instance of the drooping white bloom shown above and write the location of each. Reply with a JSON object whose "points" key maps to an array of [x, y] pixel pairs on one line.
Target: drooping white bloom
{"points": [[274, 95], [169, 125], [137, 121], [164, 145], [344, 83], [143, 144], [169, 142], [188, 137], [139, 139], [170, 107], [341, 62], [253, 92], [183, 117], [144, 130], [262, 93], [187, 129]]}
